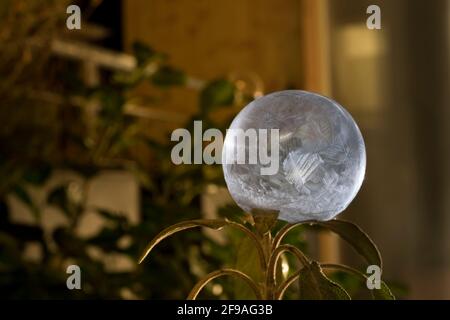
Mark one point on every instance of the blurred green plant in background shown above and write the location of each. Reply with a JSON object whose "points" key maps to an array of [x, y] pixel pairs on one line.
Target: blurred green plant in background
{"points": [[43, 129]]}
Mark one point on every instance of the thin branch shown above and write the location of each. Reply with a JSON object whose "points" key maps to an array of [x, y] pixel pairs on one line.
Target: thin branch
{"points": [[214, 224], [223, 272], [284, 231], [344, 268], [258, 244], [271, 269], [283, 287]]}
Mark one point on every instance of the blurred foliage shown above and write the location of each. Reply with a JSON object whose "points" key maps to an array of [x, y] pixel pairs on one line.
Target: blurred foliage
{"points": [[44, 129]]}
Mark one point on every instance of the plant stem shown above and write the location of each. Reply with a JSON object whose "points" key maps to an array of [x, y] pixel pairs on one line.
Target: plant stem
{"points": [[223, 272]]}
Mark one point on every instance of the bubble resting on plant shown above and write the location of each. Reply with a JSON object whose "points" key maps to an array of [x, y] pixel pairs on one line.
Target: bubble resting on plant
{"points": [[321, 157]]}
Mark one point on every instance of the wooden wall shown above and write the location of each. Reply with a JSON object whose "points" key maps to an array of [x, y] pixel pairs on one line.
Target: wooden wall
{"points": [[210, 39]]}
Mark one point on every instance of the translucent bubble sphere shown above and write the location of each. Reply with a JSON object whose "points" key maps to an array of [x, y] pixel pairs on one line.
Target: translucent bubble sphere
{"points": [[310, 159]]}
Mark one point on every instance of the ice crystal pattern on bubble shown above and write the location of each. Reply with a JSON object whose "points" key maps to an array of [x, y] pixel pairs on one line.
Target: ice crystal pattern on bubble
{"points": [[321, 157]]}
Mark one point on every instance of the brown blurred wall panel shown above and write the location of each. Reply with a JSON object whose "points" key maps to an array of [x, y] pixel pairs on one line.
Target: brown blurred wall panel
{"points": [[209, 39]]}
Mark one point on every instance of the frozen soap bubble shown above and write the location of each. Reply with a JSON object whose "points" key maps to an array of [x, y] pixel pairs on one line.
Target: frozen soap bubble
{"points": [[321, 157]]}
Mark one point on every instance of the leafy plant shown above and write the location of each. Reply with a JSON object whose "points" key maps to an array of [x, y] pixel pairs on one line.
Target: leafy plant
{"points": [[44, 129], [264, 283]]}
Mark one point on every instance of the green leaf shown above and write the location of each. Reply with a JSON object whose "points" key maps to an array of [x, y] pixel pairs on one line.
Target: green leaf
{"points": [[167, 76], [384, 293], [129, 79], [38, 175], [217, 93], [23, 196], [350, 282], [314, 285], [215, 224], [112, 102], [399, 290], [247, 261], [107, 239], [357, 238], [20, 192], [69, 243], [142, 52], [58, 197]]}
